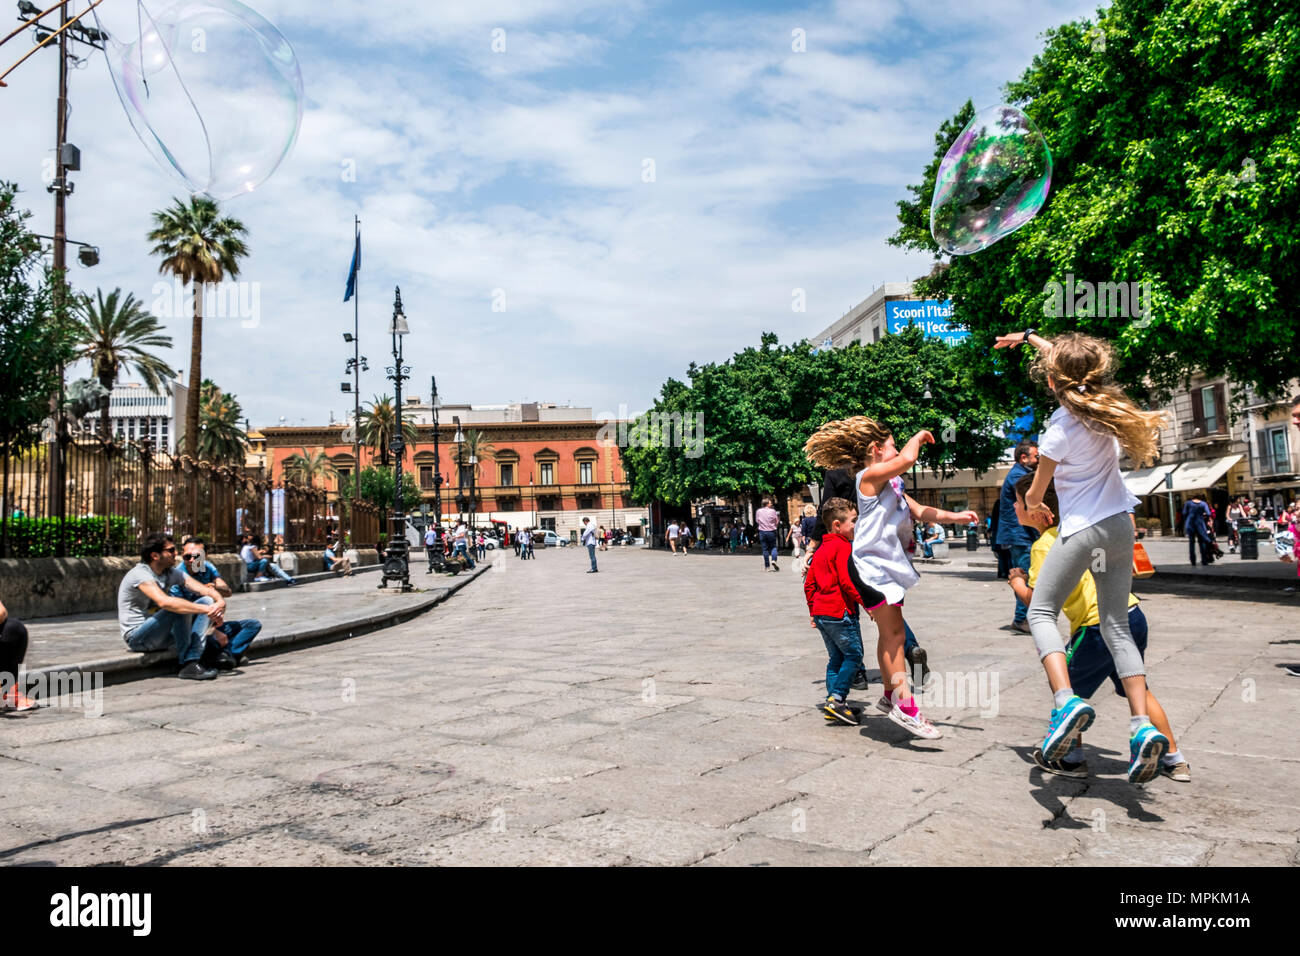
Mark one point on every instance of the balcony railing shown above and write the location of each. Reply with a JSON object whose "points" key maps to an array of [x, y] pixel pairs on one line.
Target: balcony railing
{"points": [[1206, 431], [1277, 464]]}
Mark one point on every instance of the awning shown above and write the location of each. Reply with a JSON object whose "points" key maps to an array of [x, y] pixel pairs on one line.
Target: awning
{"points": [[1201, 475], [1147, 481]]}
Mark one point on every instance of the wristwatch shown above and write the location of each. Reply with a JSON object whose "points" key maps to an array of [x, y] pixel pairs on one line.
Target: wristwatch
{"points": [[1028, 332]]}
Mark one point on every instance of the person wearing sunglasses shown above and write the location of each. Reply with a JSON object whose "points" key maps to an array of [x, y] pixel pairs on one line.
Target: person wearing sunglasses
{"points": [[153, 619]]}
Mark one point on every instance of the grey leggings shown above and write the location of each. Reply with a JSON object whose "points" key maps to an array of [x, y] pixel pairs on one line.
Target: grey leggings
{"points": [[1107, 545]]}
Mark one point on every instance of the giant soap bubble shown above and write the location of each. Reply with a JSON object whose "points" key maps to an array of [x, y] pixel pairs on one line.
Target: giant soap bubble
{"points": [[214, 92], [992, 181]]}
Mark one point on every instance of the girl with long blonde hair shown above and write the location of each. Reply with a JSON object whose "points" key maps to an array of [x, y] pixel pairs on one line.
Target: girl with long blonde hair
{"points": [[880, 568], [1080, 449]]}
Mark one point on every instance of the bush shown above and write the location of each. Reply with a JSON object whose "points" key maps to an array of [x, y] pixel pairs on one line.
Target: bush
{"points": [[83, 537]]}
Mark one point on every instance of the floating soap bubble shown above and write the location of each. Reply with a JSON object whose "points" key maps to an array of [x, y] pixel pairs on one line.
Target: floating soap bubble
{"points": [[992, 181], [214, 92]]}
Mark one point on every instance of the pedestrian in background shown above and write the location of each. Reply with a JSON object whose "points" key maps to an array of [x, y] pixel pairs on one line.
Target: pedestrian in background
{"points": [[1016, 539], [589, 539], [768, 519]]}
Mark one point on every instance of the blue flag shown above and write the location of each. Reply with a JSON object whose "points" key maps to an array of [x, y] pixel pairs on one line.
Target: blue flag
{"points": [[352, 273]]}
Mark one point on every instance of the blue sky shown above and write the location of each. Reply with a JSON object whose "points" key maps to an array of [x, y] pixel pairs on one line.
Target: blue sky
{"points": [[522, 171]]}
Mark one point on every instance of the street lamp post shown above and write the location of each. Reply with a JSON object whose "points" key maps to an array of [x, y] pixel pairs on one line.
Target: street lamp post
{"points": [[397, 562], [473, 470], [460, 469], [436, 403]]}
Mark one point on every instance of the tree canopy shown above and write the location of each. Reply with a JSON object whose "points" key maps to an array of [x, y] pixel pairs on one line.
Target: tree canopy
{"points": [[1175, 133], [35, 327], [738, 427]]}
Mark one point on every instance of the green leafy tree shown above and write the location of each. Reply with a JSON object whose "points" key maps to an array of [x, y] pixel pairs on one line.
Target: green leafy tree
{"points": [[1175, 133], [759, 407], [378, 425], [117, 334], [35, 333], [221, 439], [377, 488], [199, 246]]}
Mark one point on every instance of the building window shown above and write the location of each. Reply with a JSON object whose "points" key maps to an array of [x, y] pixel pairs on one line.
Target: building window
{"points": [[344, 474], [584, 472], [1211, 410], [426, 477], [548, 524], [507, 475], [547, 471]]}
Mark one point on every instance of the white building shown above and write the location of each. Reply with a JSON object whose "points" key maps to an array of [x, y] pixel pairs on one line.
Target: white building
{"points": [[135, 413], [865, 322]]}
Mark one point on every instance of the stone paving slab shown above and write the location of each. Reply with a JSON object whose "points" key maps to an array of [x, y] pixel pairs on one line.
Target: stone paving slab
{"points": [[548, 717]]}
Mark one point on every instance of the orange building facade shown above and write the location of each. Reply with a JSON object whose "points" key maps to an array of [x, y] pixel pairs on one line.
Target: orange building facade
{"points": [[541, 474]]}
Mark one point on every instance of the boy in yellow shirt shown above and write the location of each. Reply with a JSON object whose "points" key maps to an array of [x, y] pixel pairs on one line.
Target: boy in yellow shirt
{"points": [[1087, 657]]}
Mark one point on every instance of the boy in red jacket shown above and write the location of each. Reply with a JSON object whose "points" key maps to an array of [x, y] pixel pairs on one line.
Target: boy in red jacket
{"points": [[833, 605]]}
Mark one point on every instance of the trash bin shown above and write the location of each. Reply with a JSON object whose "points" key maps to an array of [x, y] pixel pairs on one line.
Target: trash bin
{"points": [[1249, 542], [972, 540]]}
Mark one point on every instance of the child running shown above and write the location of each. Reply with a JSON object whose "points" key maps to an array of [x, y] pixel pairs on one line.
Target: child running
{"points": [[833, 606], [1088, 661], [1080, 448], [881, 570]]}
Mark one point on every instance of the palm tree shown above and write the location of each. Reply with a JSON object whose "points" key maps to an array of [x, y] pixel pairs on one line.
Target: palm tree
{"points": [[221, 440], [378, 423], [197, 246], [476, 443], [116, 334], [307, 467]]}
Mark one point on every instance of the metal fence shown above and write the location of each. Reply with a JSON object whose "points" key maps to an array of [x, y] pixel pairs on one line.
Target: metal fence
{"points": [[104, 497]]}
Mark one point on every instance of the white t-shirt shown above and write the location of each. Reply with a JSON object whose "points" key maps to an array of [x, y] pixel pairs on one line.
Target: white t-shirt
{"points": [[673, 530], [1087, 477]]}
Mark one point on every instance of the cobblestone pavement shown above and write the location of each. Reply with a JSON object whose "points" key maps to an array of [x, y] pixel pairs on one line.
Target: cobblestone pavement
{"points": [[660, 712]]}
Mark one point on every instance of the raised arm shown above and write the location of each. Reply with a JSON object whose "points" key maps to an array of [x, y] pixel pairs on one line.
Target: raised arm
{"points": [[928, 513], [878, 475], [1013, 339]]}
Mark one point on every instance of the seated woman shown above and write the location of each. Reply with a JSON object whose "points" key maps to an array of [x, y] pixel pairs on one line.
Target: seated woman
{"points": [[13, 648]]}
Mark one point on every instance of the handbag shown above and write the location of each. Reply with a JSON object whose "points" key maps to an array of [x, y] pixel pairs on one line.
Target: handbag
{"points": [[1142, 566]]}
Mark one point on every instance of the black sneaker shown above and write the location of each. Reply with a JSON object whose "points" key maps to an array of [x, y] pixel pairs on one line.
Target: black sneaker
{"points": [[860, 681], [225, 661], [917, 656], [1062, 768], [242, 661], [838, 710], [196, 671], [1293, 670]]}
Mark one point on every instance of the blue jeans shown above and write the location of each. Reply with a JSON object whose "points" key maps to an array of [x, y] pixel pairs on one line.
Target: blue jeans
{"points": [[591, 553], [1020, 559], [767, 541], [241, 634], [462, 548], [169, 629], [843, 640], [263, 565]]}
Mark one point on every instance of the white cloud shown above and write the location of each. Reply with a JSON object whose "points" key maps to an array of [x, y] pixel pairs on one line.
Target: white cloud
{"points": [[773, 170]]}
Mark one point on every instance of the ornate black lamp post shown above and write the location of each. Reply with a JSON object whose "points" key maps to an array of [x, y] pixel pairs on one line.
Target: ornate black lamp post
{"points": [[397, 561], [460, 469]]}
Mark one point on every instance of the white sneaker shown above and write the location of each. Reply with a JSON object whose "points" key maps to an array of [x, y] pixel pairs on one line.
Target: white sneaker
{"points": [[917, 725]]}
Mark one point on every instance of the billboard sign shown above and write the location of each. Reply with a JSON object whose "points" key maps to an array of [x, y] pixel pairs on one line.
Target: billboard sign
{"points": [[932, 316]]}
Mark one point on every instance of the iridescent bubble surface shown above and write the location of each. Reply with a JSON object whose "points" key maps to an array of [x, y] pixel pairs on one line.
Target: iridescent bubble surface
{"points": [[214, 92], [993, 179]]}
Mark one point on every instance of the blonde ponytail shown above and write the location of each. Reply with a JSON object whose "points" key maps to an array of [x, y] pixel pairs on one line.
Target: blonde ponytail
{"points": [[1079, 368], [845, 443]]}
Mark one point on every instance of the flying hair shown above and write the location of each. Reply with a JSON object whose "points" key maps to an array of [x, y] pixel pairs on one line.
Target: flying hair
{"points": [[1080, 368], [845, 443]]}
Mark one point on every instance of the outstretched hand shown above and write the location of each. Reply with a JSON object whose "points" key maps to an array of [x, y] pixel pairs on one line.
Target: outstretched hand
{"points": [[1009, 341]]}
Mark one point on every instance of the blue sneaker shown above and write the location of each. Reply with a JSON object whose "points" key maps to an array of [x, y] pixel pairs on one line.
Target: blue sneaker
{"points": [[1067, 723], [1145, 748]]}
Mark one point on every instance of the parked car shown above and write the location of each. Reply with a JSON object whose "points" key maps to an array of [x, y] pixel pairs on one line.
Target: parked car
{"points": [[549, 539]]}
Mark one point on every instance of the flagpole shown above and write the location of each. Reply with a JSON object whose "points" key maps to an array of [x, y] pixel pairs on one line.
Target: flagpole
{"points": [[356, 374]]}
